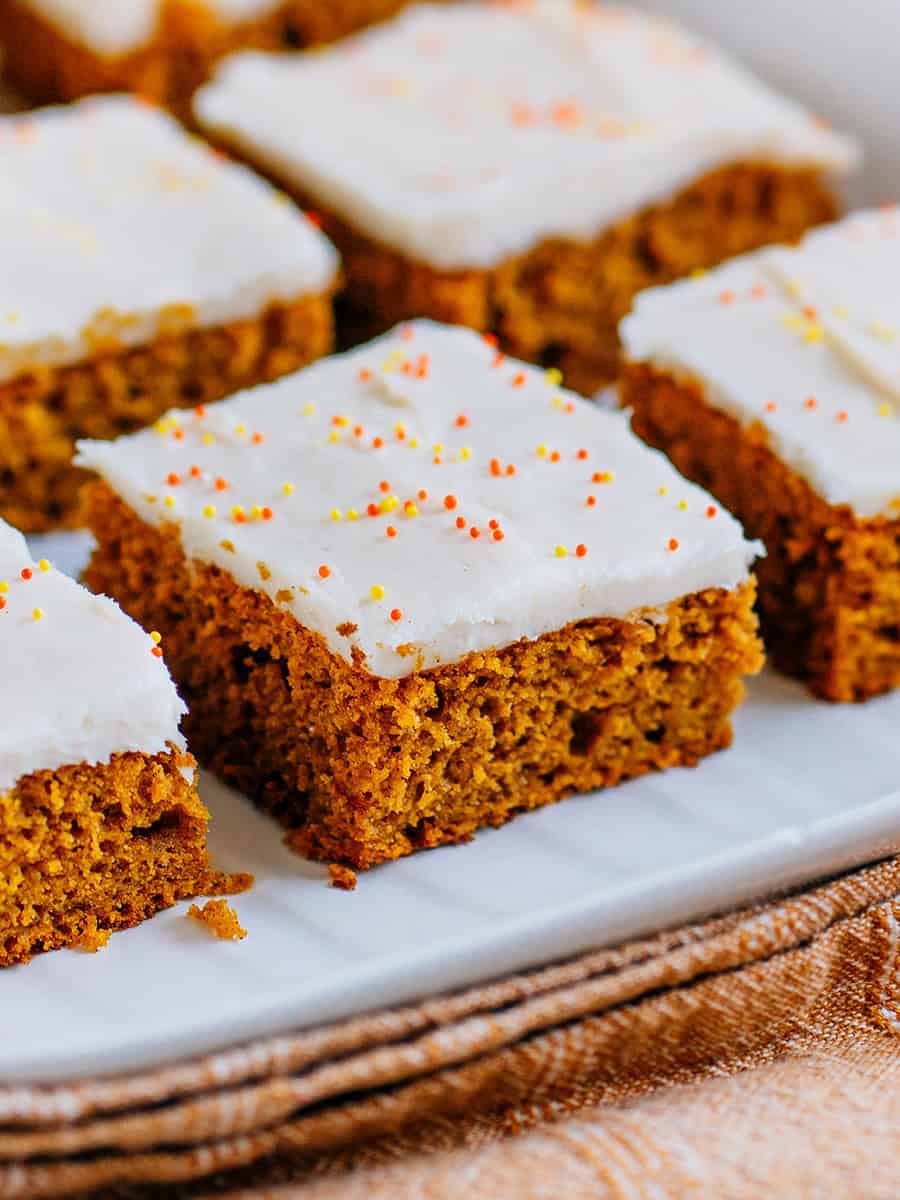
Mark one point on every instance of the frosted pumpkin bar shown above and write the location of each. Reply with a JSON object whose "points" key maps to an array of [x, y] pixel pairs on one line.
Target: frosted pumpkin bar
{"points": [[100, 821], [775, 382], [139, 271], [161, 49], [417, 588], [525, 169]]}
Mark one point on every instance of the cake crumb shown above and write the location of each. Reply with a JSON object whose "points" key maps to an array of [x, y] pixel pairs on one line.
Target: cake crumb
{"points": [[93, 938], [220, 918], [343, 878], [346, 629]]}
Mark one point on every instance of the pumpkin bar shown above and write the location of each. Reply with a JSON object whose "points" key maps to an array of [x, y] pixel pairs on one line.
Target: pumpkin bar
{"points": [[100, 822], [525, 169], [161, 49], [775, 383], [140, 271], [417, 588]]}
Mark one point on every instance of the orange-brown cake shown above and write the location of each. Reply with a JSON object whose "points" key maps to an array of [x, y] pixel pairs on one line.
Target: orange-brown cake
{"points": [[161, 49], [433, 591], [525, 169], [775, 382], [100, 822], [139, 272]]}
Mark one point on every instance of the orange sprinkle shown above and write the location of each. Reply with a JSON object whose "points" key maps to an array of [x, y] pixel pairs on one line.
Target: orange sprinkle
{"points": [[496, 469], [759, 291], [811, 402], [178, 435], [460, 522], [811, 313], [384, 486], [474, 532], [510, 469], [489, 338], [601, 477], [314, 219], [554, 456], [357, 430], [581, 550], [569, 407], [373, 510], [377, 442], [324, 571], [257, 439], [240, 517], [422, 366], [391, 531], [157, 652], [364, 375], [771, 406], [842, 417], [582, 454], [711, 511], [200, 412], [407, 333], [266, 513], [221, 484], [450, 502], [462, 421], [673, 543], [396, 614], [519, 379], [423, 495], [400, 434], [727, 297], [437, 460], [499, 359], [498, 535], [493, 523], [196, 472], [2, 604], [172, 479], [26, 573], [591, 501]]}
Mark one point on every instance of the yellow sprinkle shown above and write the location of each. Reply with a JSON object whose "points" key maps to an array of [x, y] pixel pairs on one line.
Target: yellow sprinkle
{"points": [[352, 514], [411, 510], [255, 512], [207, 439], [840, 312], [794, 322], [334, 436], [209, 511], [336, 514], [341, 421], [237, 511], [400, 429], [43, 565], [169, 501], [308, 410], [4, 586], [814, 333], [465, 453], [793, 288], [560, 552], [557, 402], [438, 448], [885, 410], [413, 443], [605, 477], [288, 489], [156, 636], [895, 503], [541, 451], [38, 614], [554, 376], [377, 592], [662, 491], [389, 503], [682, 504], [883, 332], [240, 430]]}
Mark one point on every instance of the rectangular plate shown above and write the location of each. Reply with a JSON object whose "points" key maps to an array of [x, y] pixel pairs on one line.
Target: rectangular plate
{"points": [[807, 790]]}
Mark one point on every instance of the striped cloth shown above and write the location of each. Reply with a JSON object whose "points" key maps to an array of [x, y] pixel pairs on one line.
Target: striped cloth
{"points": [[750, 1055]]}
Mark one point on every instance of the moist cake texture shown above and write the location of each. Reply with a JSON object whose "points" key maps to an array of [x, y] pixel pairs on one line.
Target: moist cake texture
{"points": [[525, 169], [161, 49], [140, 272], [775, 382], [100, 822], [417, 588]]}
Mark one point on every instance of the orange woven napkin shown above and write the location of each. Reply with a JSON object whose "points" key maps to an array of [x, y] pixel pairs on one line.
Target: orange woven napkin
{"points": [[772, 1016]]}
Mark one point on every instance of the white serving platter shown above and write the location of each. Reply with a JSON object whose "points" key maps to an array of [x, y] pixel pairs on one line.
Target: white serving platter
{"points": [[807, 790]]}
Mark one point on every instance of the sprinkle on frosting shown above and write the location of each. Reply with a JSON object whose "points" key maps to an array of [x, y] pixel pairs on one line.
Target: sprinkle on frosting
{"points": [[811, 325], [471, 553]]}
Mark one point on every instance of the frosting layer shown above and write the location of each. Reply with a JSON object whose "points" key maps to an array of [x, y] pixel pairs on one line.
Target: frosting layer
{"points": [[462, 135], [113, 27], [115, 225], [81, 679], [805, 341], [423, 496]]}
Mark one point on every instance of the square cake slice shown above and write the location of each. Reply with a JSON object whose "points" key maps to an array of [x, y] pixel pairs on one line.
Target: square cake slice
{"points": [[775, 382], [416, 589], [139, 272], [100, 822], [525, 169], [161, 49]]}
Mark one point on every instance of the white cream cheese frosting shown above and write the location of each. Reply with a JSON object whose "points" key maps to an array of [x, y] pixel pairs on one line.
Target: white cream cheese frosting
{"points": [[461, 135], [114, 223], [806, 342], [117, 27], [81, 679], [431, 497]]}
